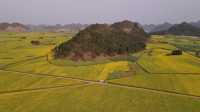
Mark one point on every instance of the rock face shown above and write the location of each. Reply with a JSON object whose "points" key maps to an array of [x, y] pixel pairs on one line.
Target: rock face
{"points": [[104, 40], [13, 27]]}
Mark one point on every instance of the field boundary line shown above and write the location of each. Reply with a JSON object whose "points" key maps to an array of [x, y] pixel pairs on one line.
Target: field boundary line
{"points": [[124, 86], [43, 88], [149, 72], [177, 73], [153, 90], [82, 65], [192, 55], [50, 75], [21, 61], [7, 41]]}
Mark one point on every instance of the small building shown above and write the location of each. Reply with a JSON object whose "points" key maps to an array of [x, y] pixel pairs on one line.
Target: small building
{"points": [[177, 52], [102, 81]]}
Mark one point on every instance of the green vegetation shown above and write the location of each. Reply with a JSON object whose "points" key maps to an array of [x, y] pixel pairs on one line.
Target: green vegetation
{"points": [[104, 40], [148, 80], [159, 62], [97, 98], [180, 29], [18, 81]]}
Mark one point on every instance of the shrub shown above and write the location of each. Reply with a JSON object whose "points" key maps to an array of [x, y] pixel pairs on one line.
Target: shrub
{"points": [[35, 42], [198, 53], [177, 52]]}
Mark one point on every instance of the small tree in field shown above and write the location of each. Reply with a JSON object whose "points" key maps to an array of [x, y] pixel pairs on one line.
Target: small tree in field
{"points": [[198, 53], [177, 52], [35, 42]]}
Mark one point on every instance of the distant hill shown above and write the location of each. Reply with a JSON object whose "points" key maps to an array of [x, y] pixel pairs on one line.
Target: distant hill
{"points": [[104, 40], [156, 28], [162, 27], [149, 28], [181, 29], [165, 26], [13, 27], [57, 28], [196, 24]]}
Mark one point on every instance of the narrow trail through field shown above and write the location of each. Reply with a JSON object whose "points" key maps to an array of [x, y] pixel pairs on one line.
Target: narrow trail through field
{"points": [[114, 85], [43, 88]]}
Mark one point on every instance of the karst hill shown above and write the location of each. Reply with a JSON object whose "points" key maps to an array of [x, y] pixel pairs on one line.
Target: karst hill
{"points": [[120, 38]]}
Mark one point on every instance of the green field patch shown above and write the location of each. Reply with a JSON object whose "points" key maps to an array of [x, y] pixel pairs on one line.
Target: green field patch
{"points": [[175, 83], [119, 75], [160, 62], [152, 75], [160, 46], [42, 66], [68, 62], [97, 98], [18, 81], [94, 72], [96, 61], [19, 55], [182, 42], [121, 66], [14, 50], [181, 83]]}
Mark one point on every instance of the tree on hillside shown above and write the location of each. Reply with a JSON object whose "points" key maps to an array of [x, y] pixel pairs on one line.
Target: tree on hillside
{"points": [[102, 39]]}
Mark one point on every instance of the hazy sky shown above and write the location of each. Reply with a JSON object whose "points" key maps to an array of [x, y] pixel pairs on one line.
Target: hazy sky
{"points": [[92, 11]]}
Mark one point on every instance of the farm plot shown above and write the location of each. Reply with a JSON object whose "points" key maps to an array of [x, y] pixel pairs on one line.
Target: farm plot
{"points": [[16, 82], [158, 62], [92, 72], [37, 85], [186, 43], [157, 70], [97, 98], [19, 49], [180, 83]]}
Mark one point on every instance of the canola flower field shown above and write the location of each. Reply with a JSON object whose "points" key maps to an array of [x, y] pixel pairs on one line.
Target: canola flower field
{"points": [[157, 82]]}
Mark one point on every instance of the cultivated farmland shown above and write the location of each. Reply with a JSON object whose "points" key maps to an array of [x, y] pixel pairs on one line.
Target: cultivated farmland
{"points": [[30, 81]]}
